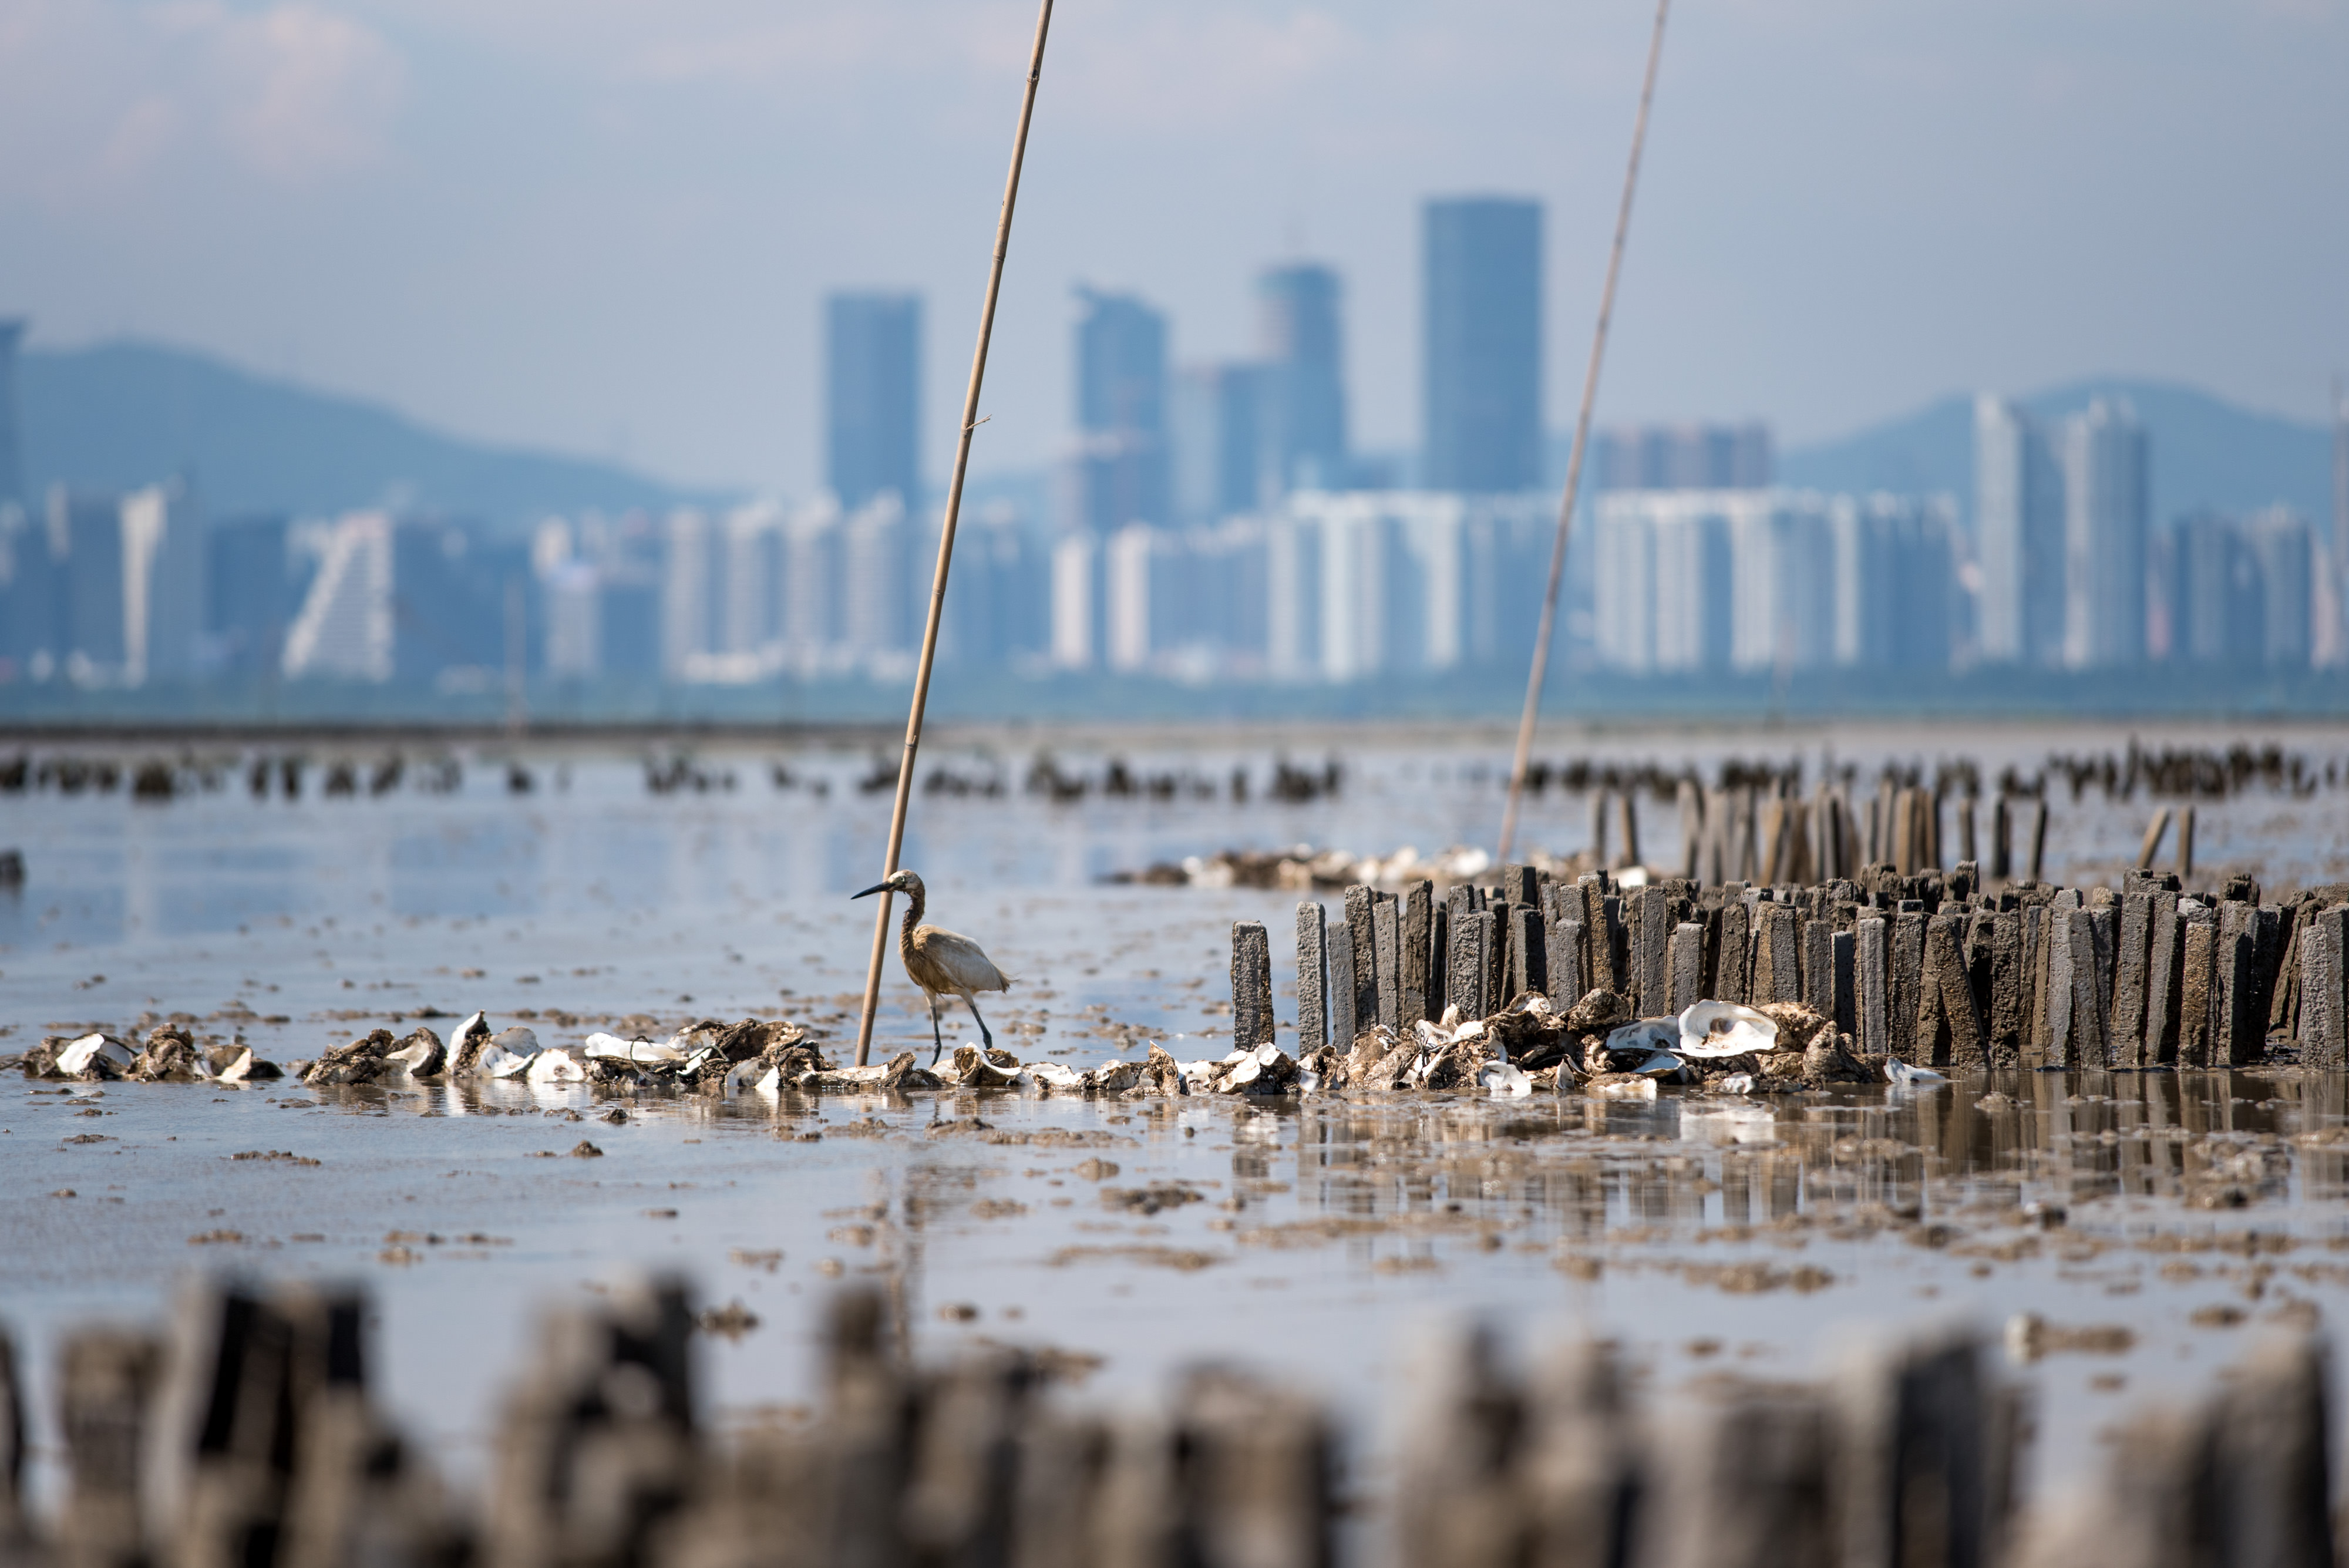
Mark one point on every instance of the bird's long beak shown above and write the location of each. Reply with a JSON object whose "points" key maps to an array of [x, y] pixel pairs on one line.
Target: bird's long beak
{"points": [[876, 888]]}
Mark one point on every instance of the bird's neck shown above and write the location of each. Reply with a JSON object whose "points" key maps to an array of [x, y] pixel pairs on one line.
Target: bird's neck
{"points": [[914, 904]]}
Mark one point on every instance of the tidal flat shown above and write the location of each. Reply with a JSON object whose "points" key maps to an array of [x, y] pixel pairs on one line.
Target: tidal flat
{"points": [[2119, 1235]]}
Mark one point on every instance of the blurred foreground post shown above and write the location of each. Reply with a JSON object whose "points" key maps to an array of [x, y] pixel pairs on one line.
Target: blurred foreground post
{"points": [[1581, 444], [970, 422]]}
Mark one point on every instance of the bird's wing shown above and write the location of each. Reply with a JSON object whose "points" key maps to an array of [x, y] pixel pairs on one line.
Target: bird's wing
{"points": [[959, 958]]}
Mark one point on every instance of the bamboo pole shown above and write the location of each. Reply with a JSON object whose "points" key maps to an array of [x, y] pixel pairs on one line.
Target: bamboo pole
{"points": [[1581, 444], [970, 422]]}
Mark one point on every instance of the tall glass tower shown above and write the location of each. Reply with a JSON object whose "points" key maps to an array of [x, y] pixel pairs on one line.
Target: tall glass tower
{"points": [[1481, 343], [1122, 413], [12, 440], [872, 370], [1305, 392]]}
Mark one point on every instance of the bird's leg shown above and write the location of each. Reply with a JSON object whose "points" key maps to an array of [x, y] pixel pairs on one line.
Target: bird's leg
{"points": [[937, 1040], [983, 1034]]}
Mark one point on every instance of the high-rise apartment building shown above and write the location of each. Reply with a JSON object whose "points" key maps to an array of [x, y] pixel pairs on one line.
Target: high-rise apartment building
{"points": [[86, 538], [248, 594], [162, 584], [2104, 460], [1481, 335], [1304, 375], [1121, 413], [1219, 462], [1682, 457], [12, 440], [1691, 581], [2018, 536], [1894, 583], [2238, 592], [872, 368], [345, 629], [874, 591]]}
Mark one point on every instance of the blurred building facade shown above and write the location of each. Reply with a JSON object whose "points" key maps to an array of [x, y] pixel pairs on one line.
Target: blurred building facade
{"points": [[872, 381], [1696, 582], [1481, 335], [1120, 467], [1682, 457]]}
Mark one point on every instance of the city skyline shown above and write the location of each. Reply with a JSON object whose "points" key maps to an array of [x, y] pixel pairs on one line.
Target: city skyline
{"points": [[2025, 206]]}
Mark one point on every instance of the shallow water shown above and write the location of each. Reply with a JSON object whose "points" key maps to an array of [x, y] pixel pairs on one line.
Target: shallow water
{"points": [[1703, 1233]]}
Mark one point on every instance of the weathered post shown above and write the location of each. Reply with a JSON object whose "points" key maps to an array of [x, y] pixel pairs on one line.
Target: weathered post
{"points": [[2324, 964], [2129, 978], [2165, 966], [1568, 982], [1529, 953], [1777, 946], [1418, 916], [1687, 966], [1361, 928], [1691, 804], [1469, 982], [1819, 967], [1386, 932], [1950, 1026], [1651, 962], [107, 1391], [1252, 1018], [1439, 957], [2195, 994], [2010, 991], [1907, 987], [2241, 1039], [1843, 957], [1732, 968], [1312, 977], [1344, 1022]]}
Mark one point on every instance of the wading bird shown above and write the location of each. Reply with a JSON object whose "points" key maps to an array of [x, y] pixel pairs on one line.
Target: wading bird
{"points": [[942, 963]]}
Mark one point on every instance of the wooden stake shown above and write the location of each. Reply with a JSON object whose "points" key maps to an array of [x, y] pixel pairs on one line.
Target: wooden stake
{"points": [[946, 535], [1582, 444]]}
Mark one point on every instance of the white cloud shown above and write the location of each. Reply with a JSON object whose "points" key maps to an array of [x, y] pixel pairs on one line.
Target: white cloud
{"points": [[98, 96], [312, 93]]}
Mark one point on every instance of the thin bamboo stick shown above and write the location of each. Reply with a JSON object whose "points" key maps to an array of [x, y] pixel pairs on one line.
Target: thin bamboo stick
{"points": [[1581, 442], [970, 422]]}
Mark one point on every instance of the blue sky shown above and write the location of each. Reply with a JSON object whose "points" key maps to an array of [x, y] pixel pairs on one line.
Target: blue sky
{"points": [[605, 226]]}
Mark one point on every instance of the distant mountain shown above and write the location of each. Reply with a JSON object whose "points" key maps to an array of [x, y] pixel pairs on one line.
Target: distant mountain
{"points": [[2203, 452], [127, 414]]}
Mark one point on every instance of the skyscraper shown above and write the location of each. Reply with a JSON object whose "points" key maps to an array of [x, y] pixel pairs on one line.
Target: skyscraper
{"points": [[1481, 343], [11, 442], [1305, 390], [247, 593], [2103, 537], [1216, 425], [162, 583], [1121, 412], [873, 351], [85, 537], [2018, 531], [1682, 457]]}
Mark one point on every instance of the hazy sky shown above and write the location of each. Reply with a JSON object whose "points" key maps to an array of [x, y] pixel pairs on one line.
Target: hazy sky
{"points": [[605, 226]]}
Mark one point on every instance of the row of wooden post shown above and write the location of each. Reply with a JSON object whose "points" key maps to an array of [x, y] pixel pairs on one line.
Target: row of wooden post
{"points": [[1743, 835], [1924, 968], [252, 1440]]}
